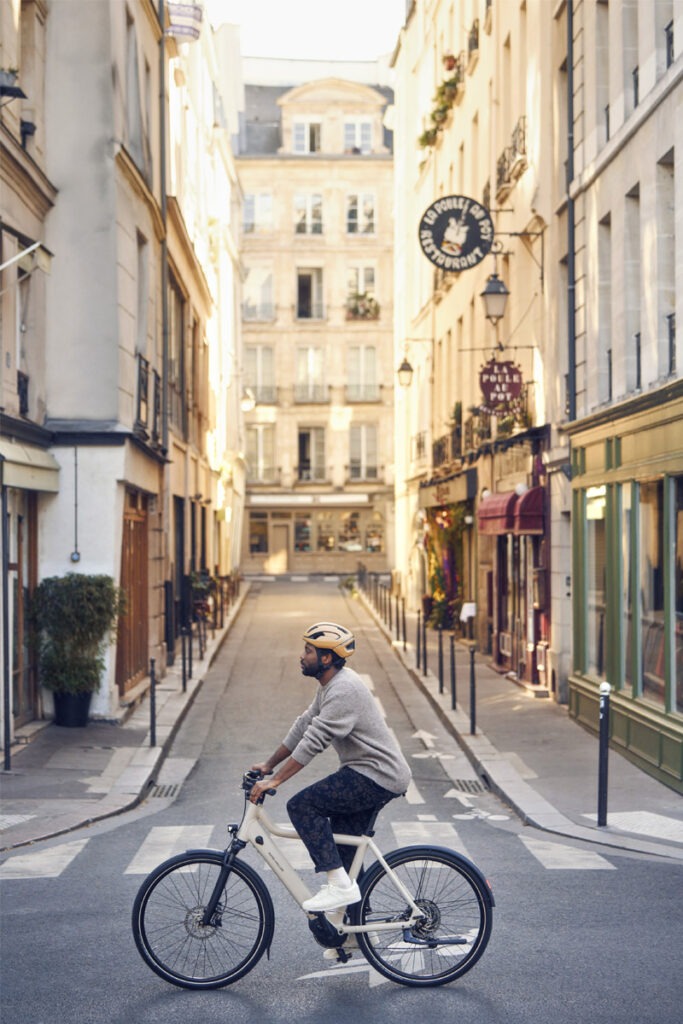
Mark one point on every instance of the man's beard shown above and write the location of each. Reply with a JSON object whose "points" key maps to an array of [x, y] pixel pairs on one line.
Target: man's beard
{"points": [[308, 670]]}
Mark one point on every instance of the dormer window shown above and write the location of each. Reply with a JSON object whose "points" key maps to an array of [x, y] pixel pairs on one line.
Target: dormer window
{"points": [[306, 136], [358, 137]]}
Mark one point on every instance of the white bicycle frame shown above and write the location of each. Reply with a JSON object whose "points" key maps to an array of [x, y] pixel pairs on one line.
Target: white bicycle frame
{"points": [[258, 830]]}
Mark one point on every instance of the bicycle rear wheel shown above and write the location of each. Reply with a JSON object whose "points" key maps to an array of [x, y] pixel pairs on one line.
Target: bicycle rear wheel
{"points": [[456, 927], [168, 929]]}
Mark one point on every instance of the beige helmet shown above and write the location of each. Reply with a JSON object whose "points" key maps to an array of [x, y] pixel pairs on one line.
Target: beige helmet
{"points": [[328, 636]]}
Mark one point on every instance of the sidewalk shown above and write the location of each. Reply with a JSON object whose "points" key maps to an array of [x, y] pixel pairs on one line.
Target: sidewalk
{"points": [[44, 794], [528, 751], [536, 758]]}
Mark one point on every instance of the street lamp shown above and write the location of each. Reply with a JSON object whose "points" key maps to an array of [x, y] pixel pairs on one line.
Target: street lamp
{"points": [[405, 373], [494, 297]]}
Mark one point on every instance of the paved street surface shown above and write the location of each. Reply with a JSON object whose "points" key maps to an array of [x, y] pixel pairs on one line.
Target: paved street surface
{"points": [[582, 930]]}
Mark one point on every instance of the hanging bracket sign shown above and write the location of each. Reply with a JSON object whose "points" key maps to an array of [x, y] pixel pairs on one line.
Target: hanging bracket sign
{"points": [[501, 385], [456, 233]]}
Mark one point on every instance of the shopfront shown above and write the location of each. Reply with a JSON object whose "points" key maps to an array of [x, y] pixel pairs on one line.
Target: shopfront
{"points": [[315, 534], [627, 480], [513, 542]]}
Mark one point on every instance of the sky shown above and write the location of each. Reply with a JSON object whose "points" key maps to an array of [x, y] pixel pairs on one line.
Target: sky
{"points": [[313, 29]]}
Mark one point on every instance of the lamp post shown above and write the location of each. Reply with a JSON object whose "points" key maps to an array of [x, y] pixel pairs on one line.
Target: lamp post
{"points": [[405, 373], [495, 297]]}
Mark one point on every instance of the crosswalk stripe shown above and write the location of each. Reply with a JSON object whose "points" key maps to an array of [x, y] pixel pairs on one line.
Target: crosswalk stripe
{"points": [[49, 863], [408, 832], [162, 843], [558, 857]]}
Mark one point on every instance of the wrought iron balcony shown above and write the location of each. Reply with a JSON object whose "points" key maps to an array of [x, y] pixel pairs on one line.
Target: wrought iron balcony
{"points": [[362, 392], [22, 392], [309, 392]]}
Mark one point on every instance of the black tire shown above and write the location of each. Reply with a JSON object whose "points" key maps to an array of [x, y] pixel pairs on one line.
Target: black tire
{"points": [[167, 913], [458, 906]]}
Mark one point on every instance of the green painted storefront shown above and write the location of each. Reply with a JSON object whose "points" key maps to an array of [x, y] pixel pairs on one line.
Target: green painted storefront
{"points": [[627, 481]]}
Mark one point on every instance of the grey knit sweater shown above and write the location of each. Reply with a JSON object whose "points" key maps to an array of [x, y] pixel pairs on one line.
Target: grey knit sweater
{"points": [[344, 713]]}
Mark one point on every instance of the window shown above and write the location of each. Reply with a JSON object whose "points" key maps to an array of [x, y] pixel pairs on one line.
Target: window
{"points": [[362, 374], [358, 137], [626, 632], [309, 294], [259, 372], [310, 385], [257, 213], [308, 214], [311, 453], [261, 453], [360, 214], [651, 576], [360, 280], [143, 294], [258, 533], [363, 452], [258, 294], [134, 127], [678, 593], [176, 360], [306, 137], [303, 540], [596, 503]]}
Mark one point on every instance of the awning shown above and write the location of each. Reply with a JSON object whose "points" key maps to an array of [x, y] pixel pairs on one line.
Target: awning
{"points": [[496, 513], [529, 511], [28, 467], [513, 513]]}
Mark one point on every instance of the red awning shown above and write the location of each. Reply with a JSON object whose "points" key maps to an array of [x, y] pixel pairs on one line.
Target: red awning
{"points": [[530, 511], [496, 513]]}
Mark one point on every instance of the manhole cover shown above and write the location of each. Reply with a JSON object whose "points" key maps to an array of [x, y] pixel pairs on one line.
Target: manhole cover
{"points": [[469, 786], [165, 791]]}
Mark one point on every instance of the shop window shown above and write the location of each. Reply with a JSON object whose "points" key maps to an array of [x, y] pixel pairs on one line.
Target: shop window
{"points": [[350, 537], [303, 540], [678, 593], [374, 534], [326, 540], [626, 632], [595, 580], [258, 533], [651, 579]]}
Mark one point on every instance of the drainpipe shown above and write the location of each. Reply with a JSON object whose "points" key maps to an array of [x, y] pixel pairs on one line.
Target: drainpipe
{"points": [[571, 267], [6, 681], [164, 242]]}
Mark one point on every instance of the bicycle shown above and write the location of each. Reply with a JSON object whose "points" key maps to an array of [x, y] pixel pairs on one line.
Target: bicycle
{"points": [[204, 918]]}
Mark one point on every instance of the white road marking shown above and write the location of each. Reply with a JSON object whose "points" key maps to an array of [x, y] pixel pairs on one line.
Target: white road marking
{"points": [[413, 795], [162, 843], [646, 823], [557, 857], [408, 832], [48, 863], [10, 820], [427, 738]]}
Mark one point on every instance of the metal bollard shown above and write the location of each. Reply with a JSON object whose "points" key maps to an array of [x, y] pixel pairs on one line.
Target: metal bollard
{"points": [[453, 679], [424, 645], [473, 694], [440, 659], [418, 646], [403, 623], [152, 705], [603, 751], [183, 645], [189, 650]]}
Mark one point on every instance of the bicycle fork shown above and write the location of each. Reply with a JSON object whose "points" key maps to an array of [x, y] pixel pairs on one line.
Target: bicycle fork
{"points": [[236, 847]]}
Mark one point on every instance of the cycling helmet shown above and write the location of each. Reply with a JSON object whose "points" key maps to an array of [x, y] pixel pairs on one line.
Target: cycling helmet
{"points": [[328, 636]]}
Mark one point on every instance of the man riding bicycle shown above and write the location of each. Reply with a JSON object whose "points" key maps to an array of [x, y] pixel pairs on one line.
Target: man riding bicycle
{"points": [[373, 770]]}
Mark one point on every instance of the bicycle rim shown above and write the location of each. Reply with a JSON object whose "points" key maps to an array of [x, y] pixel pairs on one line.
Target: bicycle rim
{"points": [[167, 924], [451, 937]]}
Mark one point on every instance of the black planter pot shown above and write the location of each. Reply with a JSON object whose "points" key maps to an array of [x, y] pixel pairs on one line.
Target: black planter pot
{"points": [[72, 709]]}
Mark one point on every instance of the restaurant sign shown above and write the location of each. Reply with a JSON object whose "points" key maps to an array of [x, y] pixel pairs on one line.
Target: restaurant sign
{"points": [[501, 385], [456, 233]]}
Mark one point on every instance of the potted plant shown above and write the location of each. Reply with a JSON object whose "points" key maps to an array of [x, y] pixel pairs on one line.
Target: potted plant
{"points": [[73, 616]]}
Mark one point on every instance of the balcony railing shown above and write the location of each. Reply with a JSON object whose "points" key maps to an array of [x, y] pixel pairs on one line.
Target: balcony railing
{"points": [[418, 446], [263, 475], [309, 474], [262, 311], [362, 392], [264, 394], [512, 161], [447, 448], [311, 393], [310, 311], [148, 412], [362, 307]]}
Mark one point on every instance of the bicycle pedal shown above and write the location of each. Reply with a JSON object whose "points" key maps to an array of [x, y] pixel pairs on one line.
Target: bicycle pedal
{"points": [[338, 954]]}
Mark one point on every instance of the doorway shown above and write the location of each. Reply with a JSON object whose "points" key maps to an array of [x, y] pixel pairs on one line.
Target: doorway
{"points": [[278, 562]]}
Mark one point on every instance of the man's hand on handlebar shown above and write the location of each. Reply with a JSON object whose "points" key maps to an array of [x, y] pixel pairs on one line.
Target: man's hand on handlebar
{"points": [[260, 788]]}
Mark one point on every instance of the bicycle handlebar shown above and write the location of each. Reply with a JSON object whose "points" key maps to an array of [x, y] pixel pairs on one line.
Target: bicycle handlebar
{"points": [[251, 776]]}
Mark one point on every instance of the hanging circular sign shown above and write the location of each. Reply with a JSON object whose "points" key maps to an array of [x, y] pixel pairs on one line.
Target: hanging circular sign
{"points": [[501, 385], [456, 233]]}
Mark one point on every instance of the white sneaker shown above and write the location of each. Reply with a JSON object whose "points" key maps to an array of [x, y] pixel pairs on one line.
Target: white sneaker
{"points": [[332, 897]]}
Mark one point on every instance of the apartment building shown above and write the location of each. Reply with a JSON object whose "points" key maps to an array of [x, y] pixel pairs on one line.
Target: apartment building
{"points": [[552, 513], [315, 163], [481, 490], [625, 209], [120, 427]]}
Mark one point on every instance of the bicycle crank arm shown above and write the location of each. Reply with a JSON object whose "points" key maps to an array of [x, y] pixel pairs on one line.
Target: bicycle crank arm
{"points": [[454, 940]]}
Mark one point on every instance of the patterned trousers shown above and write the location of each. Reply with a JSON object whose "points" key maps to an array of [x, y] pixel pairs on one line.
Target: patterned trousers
{"points": [[343, 802]]}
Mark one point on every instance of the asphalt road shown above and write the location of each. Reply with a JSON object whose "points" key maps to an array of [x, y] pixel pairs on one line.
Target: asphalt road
{"points": [[581, 933]]}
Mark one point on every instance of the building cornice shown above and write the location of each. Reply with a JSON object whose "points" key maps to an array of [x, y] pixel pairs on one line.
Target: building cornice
{"points": [[631, 406], [177, 223], [20, 171]]}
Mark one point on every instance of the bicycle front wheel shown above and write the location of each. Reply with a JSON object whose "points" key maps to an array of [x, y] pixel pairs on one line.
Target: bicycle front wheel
{"points": [[168, 929], [452, 935]]}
